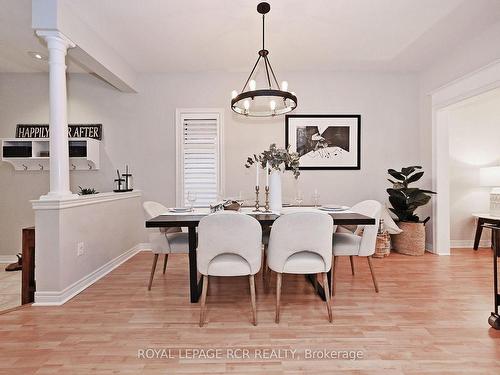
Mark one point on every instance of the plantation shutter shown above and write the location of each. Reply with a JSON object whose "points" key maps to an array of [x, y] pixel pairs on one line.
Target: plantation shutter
{"points": [[201, 159]]}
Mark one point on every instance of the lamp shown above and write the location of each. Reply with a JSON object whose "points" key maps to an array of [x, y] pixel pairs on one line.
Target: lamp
{"points": [[490, 176], [267, 101]]}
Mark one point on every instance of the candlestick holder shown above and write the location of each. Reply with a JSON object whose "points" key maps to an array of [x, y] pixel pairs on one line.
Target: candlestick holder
{"points": [[266, 206], [257, 205]]}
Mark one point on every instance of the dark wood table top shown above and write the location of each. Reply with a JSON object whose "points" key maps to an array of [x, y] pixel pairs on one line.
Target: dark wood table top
{"points": [[192, 220]]}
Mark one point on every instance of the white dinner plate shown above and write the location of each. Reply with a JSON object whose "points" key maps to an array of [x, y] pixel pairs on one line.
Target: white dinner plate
{"points": [[179, 209], [333, 208]]}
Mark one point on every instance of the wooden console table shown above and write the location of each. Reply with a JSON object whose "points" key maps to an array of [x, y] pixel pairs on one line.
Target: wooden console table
{"points": [[28, 285], [484, 218]]}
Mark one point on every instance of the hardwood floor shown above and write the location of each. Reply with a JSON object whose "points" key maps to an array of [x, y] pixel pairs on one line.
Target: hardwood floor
{"points": [[10, 288], [430, 316]]}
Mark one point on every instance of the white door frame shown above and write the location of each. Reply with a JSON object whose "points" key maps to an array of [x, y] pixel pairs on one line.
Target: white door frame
{"points": [[473, 84]]}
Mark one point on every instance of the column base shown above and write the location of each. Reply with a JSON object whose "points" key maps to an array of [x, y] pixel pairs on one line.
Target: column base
{"points": [[58, 196]]}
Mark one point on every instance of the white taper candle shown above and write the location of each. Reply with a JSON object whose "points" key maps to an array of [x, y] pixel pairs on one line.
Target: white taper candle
{"points": [[257, 174], [267, 174]]}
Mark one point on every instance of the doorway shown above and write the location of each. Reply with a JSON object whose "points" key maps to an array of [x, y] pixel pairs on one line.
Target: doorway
{"points": [[443, 101]]}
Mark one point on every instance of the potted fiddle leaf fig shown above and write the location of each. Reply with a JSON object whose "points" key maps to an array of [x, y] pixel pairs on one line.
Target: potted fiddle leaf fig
{"points": [[405, 200]]}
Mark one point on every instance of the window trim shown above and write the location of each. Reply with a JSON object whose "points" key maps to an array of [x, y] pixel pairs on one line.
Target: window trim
{"points": [[180, 114]]}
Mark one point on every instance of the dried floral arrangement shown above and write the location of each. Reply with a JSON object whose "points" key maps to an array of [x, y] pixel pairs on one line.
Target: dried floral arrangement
{"points": [[279, 159]]}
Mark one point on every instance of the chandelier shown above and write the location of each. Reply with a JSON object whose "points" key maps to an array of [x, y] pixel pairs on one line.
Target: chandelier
{"points": [[270, 100]]}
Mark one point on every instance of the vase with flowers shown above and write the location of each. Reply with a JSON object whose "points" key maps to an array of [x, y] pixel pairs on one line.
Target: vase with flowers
{"points": [[275, 161]]}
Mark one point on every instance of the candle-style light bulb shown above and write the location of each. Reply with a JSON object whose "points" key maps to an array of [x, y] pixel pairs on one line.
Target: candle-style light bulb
{"points": [[246, 104], [272, 105], [252, 84], [284, 86], [234, 94]]}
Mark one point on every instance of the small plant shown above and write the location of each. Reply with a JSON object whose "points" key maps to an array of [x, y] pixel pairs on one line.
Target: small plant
{"points": [[406, 200], [86, 191], [278, 159]]}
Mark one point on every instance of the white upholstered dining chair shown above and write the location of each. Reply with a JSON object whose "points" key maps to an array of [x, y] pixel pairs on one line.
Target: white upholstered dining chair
{"points": [[361, 243], [229, 244], [165, 240], [301, 243]]}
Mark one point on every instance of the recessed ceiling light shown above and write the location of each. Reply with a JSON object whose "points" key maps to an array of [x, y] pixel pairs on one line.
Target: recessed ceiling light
{"points": [[37, 55]]}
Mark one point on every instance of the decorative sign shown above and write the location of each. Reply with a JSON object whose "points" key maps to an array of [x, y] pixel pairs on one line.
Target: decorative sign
{"points": [[74, 131]]}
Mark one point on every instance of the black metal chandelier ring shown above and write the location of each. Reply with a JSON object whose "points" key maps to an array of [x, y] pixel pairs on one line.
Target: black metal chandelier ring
{"points": [[284, 95]]}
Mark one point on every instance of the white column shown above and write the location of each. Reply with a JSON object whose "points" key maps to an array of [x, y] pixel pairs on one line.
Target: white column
{"points": [[58, 45]]}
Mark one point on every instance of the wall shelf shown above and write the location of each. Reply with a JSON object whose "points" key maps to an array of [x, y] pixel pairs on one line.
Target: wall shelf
{"points": [[33, 154]]}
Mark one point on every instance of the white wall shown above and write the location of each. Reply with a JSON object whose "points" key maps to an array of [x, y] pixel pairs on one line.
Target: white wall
{"points": [[474, 132], [110, 227], [139, 130]]}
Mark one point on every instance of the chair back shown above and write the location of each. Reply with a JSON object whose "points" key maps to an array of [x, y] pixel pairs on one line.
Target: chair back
{"points": [[372, 209], [300, 232], [154, 209], [229, 233]]}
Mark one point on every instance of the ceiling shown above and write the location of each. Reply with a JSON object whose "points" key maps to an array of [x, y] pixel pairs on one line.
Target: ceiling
{"points": [[225, 35]]}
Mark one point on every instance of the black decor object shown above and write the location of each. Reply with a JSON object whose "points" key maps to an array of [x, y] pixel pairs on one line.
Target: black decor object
{"points": [[77, 149], [124, 182], [269, 101], [324, 141], [119, 183], [127, 176], [23, 151]]}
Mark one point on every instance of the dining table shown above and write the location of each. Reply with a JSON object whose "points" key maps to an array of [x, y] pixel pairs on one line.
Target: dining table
{"points": [[191, 220]]}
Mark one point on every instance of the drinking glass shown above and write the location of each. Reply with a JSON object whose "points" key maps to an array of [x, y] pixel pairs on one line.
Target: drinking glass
{"points": [[299, 198], [240, 198], [191, 197], [315, 197]]}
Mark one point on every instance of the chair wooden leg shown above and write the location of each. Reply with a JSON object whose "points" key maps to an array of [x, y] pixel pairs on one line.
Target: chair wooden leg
{"points": [[278, 296], [165, 263], [252, 298], [327, 296], [266, 272], [375, 284], [334, 267], [203, 299], [351, 258], [155, 260], [264, 266]]}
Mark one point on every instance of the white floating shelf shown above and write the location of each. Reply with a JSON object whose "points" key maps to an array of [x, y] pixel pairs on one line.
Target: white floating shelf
{"points": [[33, 154]]}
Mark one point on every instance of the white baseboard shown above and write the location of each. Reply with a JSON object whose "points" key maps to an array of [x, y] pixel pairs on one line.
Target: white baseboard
{"points": [[468, 243], [8, 258], [59, 298], [430, 248]]}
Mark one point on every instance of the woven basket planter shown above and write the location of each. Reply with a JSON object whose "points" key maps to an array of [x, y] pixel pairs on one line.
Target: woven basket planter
{"points": [[411, 241], [383, 246]]}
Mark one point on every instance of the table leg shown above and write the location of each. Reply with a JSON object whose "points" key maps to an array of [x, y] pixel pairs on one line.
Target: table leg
{"points": [[194, 286], [494, 319], [479, 231], [318, 288]]}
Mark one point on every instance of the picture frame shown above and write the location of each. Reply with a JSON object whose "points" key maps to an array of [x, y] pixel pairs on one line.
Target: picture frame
{"points": [[325, 142]]}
